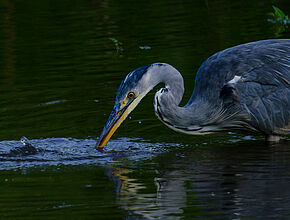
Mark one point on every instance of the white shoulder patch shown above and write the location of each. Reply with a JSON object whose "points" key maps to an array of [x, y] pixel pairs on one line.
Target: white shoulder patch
{"points": [[235, 80]]}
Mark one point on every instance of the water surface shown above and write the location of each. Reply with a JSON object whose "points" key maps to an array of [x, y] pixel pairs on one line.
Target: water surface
{"points": [[59, 73]]}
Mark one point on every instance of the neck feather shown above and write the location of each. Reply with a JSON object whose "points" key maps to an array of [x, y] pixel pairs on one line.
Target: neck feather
{"points": [[198, 116], [187, 119]]}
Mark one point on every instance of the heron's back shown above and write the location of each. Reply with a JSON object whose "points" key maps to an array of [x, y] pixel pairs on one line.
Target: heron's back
{"points": [[255, 77]]}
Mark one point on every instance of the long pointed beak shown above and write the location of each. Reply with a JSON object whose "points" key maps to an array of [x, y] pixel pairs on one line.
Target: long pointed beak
{"points": [[117, 116]]}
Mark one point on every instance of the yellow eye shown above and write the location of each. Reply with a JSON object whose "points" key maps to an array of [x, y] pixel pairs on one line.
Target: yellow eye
{"points": [[131, 95]]}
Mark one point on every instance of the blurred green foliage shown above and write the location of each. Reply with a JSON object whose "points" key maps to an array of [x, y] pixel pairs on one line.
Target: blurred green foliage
{"points": [[118, 45], [280, 20]]}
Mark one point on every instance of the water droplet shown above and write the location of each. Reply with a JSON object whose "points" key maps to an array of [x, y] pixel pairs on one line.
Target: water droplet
{"points": [[25, 140], [144, 47], [51, 102]]}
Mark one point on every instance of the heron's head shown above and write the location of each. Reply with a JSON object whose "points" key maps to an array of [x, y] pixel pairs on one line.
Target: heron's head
{"points": [[132, 89]]}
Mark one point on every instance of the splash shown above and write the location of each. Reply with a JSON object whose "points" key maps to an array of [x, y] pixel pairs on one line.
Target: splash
{"points": [[70, 151]]}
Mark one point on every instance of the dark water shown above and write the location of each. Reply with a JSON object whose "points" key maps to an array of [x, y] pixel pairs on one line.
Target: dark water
{"points": [[59, 72]]}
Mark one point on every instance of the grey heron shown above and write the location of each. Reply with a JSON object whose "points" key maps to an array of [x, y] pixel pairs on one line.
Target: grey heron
{"points": [[243, 88]]}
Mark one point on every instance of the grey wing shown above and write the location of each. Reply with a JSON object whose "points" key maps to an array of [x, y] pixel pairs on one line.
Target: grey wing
{"points": [[252, 79], [220, 68], [265, 91]]}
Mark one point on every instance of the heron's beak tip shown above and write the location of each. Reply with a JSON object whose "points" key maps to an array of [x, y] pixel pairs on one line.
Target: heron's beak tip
{"points": [[117, 116], [99, 146]]}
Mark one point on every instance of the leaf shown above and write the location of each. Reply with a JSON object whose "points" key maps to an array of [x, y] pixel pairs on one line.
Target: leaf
{"points": [[278, 12]]}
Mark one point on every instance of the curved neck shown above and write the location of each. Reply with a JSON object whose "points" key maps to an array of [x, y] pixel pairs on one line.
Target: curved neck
{"points": [[167, 100], [167, 74]]}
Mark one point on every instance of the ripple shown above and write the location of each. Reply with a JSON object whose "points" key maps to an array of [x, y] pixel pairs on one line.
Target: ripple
{"points": [[71, 151]]}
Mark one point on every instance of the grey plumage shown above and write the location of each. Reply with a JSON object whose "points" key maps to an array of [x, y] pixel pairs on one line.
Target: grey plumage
{"points": [[244, 88], [262, 94]]}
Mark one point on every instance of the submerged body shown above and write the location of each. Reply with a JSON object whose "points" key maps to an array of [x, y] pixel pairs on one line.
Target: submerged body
{"points": [[244, 88]]}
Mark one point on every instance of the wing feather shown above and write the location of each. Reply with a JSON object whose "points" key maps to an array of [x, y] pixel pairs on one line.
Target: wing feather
{"points": [[263, 89]]}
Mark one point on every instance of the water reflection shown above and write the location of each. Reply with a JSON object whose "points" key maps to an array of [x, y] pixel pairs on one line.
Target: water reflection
{"points": [[248, 179], [9, 45], [221, 180]]}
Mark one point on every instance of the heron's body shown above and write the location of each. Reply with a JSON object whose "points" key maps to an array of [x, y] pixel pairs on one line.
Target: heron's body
{"points": [[243, 88]]}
